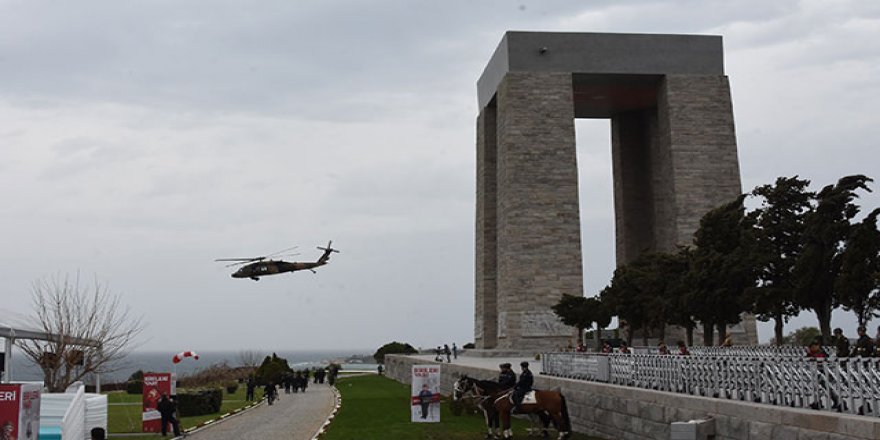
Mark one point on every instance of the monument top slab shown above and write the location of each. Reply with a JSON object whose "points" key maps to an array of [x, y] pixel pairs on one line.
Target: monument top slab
{"points": [[601, 53]]}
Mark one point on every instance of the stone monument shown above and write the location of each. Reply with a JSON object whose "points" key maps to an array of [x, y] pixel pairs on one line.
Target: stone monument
{"points": [[673, 151]]}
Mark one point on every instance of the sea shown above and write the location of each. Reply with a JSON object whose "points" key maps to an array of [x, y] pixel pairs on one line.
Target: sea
{"points": [[160, 361]]}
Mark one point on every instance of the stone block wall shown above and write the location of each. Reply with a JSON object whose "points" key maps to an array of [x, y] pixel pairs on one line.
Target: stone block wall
{"points": [[531, 233], [616, 412]]}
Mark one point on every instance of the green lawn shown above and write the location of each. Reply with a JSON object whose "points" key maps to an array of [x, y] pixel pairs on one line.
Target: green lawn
{"points": [[124, 412], [375, 407]]}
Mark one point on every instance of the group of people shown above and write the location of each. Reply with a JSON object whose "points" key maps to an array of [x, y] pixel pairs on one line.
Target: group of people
{"points": [[439, 352], [507, 379], [864, 346], [682, 348]]}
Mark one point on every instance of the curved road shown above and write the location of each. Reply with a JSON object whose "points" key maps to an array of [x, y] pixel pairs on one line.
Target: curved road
{"points": [[293, 417]]}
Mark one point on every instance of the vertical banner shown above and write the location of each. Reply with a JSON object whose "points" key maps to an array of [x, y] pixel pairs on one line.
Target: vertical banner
{"points": [[155, 385], [19, 411], [425, 402]]}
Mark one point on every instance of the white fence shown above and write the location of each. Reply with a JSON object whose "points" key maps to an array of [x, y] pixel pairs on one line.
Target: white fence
{"points": [[756, 374]]}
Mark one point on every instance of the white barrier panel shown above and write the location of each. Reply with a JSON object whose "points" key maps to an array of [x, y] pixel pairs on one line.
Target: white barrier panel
{"points": [[776, 377], [96, 413]]}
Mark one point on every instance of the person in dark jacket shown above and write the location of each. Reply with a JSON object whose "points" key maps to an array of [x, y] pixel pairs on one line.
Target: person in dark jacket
{"points": [[251, 385], [523, 386], [841, 343], [864, 345], [507, 378], [168, 411]]}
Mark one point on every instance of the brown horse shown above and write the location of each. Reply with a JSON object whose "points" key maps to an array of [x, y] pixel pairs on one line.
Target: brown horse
{"points": [[550, 403], [484, 393]]}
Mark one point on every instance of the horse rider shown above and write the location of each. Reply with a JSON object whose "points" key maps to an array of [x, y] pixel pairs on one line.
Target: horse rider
{"points": [[507, 378], [523, 386]]}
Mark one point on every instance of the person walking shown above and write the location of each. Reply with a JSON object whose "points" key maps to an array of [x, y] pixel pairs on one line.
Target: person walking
{"points": [[167, 411], [454, 351], [269, 393], [249, 394], [448, 353]]}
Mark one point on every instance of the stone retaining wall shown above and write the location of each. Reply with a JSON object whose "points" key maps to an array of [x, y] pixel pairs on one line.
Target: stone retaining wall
{"points": [[616, 412]]}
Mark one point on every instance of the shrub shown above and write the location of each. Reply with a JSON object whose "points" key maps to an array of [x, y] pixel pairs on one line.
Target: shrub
{"points": [[393, 348], [272, 370], [135, 383], [134, 387], [199, 402], [469, 346], [231, 387]]}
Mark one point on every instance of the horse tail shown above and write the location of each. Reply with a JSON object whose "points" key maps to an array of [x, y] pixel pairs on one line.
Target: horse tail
{"points": [[565, 418]]}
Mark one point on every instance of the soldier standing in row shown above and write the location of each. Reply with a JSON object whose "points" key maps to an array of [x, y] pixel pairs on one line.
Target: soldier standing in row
{"points": [[864, 346], [841, 343]]}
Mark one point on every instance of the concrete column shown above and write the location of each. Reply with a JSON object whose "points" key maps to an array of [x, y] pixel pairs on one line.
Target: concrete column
{"points": [[696, 127], [701, 165], [633, 135], [486, 307], [538, 222]]}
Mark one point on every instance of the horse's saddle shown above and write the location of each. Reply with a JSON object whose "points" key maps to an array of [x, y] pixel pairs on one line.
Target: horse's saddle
{"points": [[528, 398]]}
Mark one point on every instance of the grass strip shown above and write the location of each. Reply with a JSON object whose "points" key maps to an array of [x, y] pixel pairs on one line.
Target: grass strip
{"points": [[125, 412], [375, 407]]}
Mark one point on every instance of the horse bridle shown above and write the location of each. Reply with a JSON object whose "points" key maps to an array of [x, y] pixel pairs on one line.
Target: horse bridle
{"points": [[460, 392]]}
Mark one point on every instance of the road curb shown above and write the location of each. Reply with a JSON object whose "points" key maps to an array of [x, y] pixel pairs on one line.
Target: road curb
{"points": [[224, 417]]}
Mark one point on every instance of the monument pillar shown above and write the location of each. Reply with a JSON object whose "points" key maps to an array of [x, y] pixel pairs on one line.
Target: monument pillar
{"points": [[674, 158], [538, 226]]}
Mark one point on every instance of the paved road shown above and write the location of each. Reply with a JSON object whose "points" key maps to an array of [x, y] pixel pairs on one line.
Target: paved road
{"points": [[293, 417]]}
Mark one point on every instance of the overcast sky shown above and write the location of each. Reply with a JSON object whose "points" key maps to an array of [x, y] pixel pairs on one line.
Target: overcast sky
{"points": [[139, 141]]}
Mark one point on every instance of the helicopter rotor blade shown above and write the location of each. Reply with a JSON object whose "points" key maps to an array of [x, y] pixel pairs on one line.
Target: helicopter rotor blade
{"points": [[240, 261], [280, 252]]}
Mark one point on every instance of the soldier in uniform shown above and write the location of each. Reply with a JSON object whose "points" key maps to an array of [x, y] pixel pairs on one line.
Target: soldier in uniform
{"points": [[523, 386], [507, 378], [841, 343], [864, 346]]}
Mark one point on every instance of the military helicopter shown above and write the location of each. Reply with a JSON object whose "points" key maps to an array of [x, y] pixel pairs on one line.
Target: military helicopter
{"points": [[256, 267]]}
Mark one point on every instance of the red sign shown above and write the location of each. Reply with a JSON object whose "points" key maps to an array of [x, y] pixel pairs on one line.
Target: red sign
{"points": [[19, 411], [155, 385]]}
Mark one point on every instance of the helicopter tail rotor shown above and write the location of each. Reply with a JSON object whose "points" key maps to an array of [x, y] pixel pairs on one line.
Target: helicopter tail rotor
{"points": [[328, 249]]}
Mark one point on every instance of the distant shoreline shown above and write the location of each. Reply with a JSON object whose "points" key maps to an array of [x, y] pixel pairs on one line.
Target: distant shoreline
{"points": [[160, 361]]}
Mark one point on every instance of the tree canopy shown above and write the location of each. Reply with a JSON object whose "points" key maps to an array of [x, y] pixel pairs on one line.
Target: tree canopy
{"points": [[779, 227], [799, 250], [393, 348], [826, 228]]}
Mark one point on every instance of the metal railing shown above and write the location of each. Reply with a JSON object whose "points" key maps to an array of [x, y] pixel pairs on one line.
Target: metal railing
{"points": [[755, 374]]}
